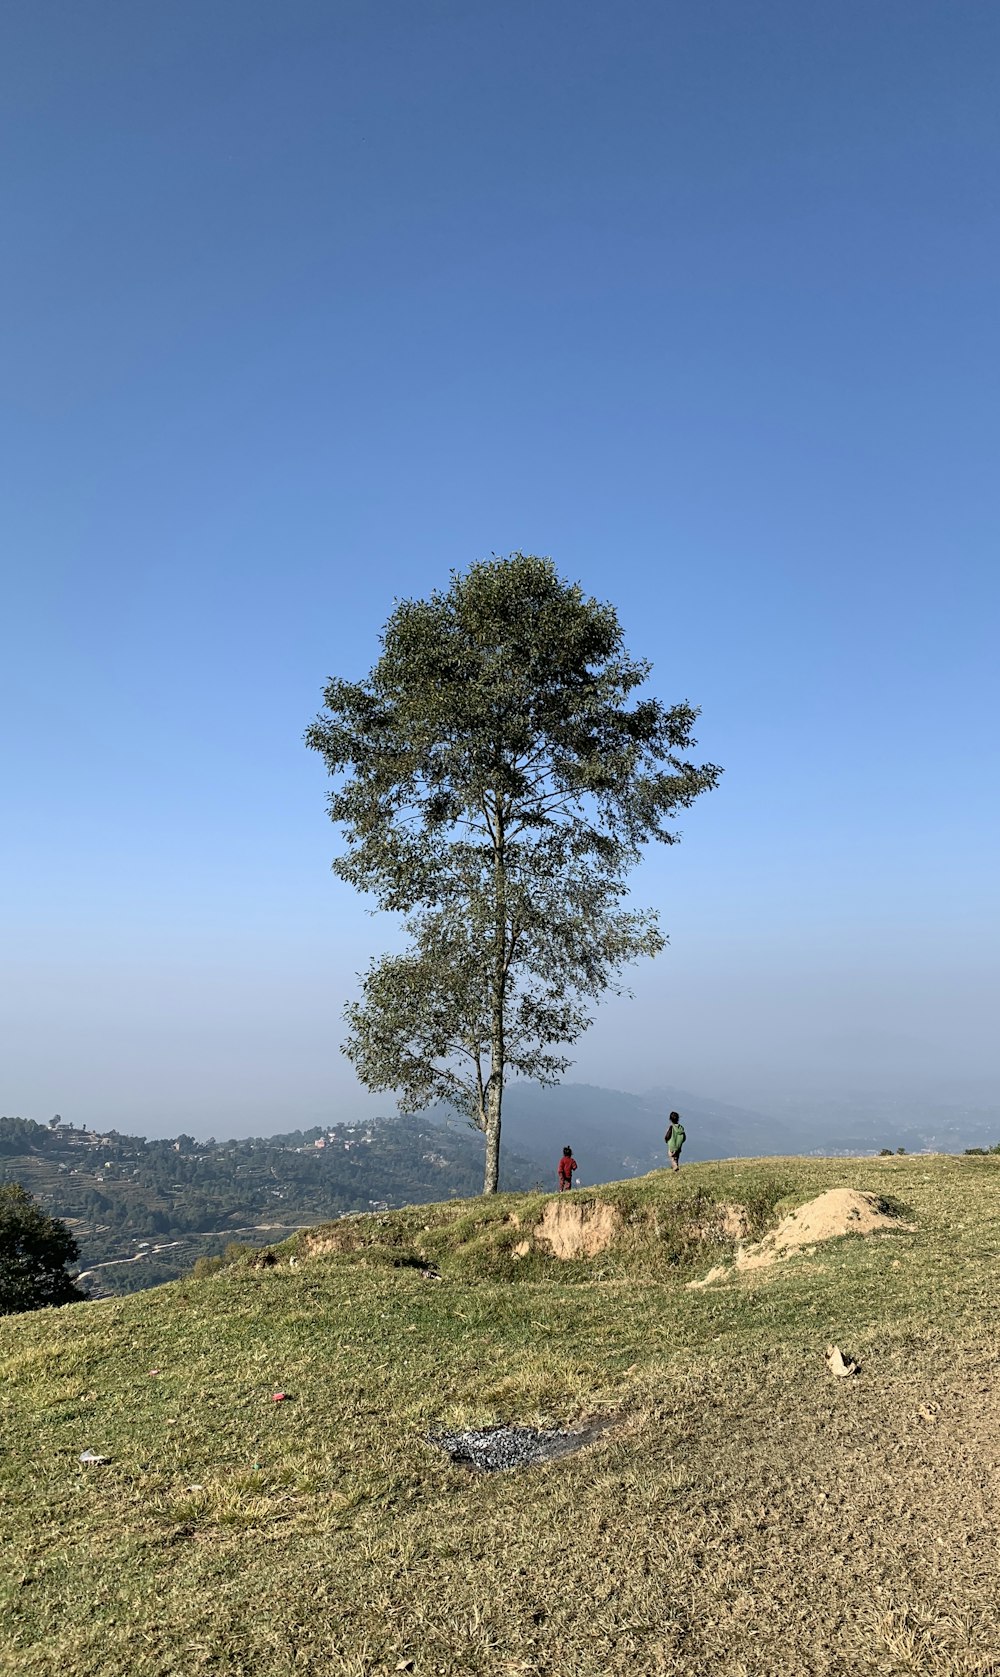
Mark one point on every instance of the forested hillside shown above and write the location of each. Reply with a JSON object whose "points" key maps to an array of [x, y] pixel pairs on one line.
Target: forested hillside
{"points": [[143, 1211]]}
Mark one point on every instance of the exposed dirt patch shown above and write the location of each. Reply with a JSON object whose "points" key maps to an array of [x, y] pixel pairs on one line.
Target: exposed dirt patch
{"points": [[727, 1222], [718, 1272], [577, 1228], [733, 1222], [327, 1243], [347, 1234], [839, 1212]]}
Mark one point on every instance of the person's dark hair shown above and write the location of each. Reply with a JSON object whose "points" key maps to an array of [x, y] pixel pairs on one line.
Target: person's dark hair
{"points": [[675, 1117], [567, 1152]]}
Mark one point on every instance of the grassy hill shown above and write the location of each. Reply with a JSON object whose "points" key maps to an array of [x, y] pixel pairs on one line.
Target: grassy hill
{"points": [[745, 1512], [144, 1211]]}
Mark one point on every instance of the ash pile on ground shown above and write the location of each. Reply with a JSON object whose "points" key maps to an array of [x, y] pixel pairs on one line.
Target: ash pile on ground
{"points": [[498, 1449]]}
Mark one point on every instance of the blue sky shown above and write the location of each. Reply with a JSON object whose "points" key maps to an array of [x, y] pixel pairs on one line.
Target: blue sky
{"points": [[305, 305]]}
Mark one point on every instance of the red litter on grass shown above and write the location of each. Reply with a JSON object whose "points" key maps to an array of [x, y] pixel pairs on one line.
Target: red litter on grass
{"points": [[280, 1397]]}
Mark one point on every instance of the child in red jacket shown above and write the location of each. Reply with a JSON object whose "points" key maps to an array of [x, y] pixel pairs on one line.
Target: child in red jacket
{"points": [[567, 1165]]}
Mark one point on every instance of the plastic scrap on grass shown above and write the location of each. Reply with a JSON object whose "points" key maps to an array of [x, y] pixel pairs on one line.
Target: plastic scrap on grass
{"points": [[840, 1365]]}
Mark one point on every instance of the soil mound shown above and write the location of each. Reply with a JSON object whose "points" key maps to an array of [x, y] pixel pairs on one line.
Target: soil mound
{"points": [[838, 1212]]}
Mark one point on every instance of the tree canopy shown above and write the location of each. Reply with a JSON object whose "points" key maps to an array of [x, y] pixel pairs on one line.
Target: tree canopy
{"points": [[34, 1252], [497, 776]]}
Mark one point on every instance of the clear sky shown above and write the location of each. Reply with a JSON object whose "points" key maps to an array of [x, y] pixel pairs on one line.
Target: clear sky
{"points": [[305, 304]]}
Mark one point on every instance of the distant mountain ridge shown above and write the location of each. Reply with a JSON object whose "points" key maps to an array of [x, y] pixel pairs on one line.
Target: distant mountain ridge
{"points": [[614, 1133]]}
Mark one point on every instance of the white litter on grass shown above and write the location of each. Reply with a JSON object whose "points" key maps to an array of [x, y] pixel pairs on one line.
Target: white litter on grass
{"points": [[838, 1364], [90, 1458]]}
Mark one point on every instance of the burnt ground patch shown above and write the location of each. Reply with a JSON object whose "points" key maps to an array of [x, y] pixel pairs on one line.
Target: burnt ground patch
{"points": [[500, 1449]]}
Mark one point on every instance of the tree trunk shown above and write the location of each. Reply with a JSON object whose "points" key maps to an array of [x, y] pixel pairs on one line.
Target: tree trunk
{"points": [[494, 1096], [491, 1175], [494, 1087]]}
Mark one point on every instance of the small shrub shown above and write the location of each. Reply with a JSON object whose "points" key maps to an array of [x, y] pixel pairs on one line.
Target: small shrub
{"points": [[761, 1201], [34, 1252], [890, 1206], [210, 1265]]}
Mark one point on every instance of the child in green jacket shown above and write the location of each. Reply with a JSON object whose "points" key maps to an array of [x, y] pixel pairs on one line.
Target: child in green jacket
{"points": [[675, 1139]]}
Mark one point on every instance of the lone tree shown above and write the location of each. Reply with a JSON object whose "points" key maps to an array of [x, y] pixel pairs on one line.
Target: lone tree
{"points": [[34, 1252], [495, 785]]}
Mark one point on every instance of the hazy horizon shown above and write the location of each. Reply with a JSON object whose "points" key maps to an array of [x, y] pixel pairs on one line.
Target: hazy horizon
{"points": [[803, 1105]]}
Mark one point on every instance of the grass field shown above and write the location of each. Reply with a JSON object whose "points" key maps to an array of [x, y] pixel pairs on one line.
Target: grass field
{"points": [[746, 1515]]}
